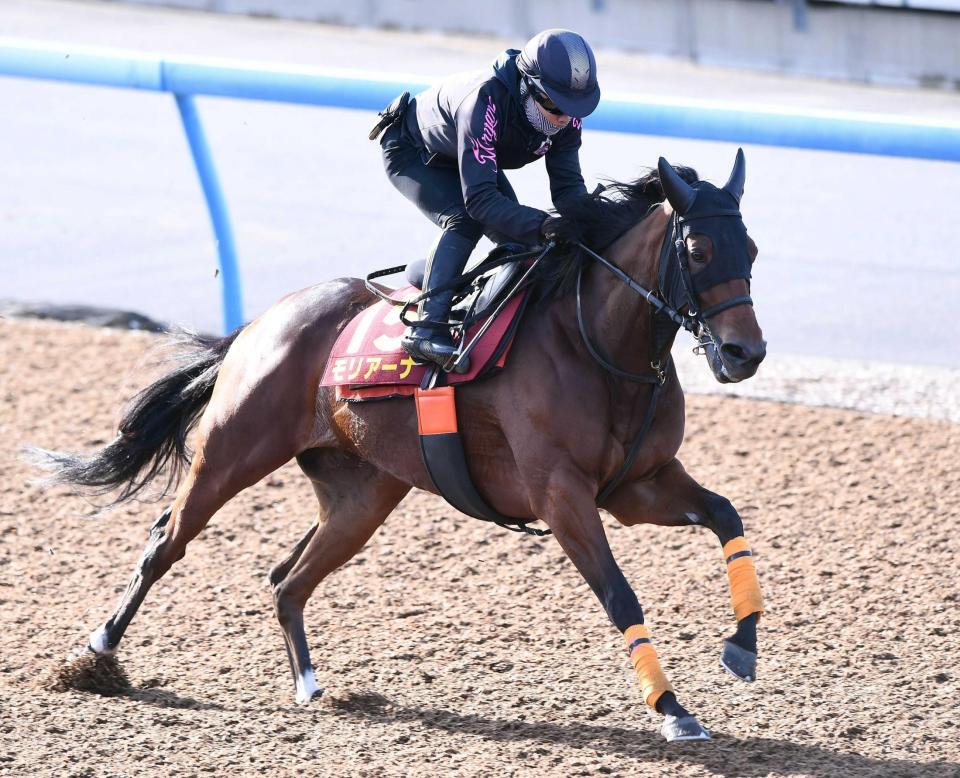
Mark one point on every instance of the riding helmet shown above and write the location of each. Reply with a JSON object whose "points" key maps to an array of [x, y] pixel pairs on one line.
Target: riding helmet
{"points": [[561, 64]]}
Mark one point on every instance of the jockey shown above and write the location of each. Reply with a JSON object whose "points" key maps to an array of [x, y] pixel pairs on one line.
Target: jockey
{"points": [[446, 150]]}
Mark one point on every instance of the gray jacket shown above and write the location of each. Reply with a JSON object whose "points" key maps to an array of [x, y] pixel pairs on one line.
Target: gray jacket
{"points": [[476, 122]]}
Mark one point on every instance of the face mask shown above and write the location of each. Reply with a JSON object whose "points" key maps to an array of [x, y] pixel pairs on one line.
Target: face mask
{"points": [[534, 116]]}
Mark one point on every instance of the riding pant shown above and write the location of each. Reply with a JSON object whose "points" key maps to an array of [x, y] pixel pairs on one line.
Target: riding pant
{"points": [[437, 192], [435, 189]]}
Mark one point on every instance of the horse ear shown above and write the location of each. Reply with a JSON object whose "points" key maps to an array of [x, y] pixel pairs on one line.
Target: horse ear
{"points": [[678, 192], [739, 174]]}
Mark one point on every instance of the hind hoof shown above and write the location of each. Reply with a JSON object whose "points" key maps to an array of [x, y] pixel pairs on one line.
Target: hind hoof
{"points": [[739, 662], [99, 642], [304, 699], [307, 688], [676, 729]]}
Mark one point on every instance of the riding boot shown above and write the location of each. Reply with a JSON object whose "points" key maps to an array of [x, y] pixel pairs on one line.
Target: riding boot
{"points": [[435, 344]]}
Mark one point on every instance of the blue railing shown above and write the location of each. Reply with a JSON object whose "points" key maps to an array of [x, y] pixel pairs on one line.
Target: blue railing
{"points": [[184, 78]]}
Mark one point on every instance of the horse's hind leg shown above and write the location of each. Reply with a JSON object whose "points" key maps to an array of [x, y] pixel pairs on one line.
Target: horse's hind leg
{"points": [[355, 498], [673, 498], [279, 571], [217, 474], [104, 640]]}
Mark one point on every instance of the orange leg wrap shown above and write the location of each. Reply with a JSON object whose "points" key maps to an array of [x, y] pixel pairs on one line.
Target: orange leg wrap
{"points": [[644, 660], [742, 574]]}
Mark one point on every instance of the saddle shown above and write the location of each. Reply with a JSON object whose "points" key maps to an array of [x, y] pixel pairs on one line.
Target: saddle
{"points": [[490, 288], [367, 361]]}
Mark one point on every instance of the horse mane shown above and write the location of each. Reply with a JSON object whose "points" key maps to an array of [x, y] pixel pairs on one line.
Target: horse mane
{"points": [[602, 217]]}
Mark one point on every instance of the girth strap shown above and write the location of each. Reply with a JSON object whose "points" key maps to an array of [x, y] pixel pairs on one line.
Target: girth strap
{"points": [[446, 463]]}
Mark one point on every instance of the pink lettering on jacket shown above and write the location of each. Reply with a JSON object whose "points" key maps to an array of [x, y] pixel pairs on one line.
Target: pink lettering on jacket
{"points": [[577, 123], [483, 148]]}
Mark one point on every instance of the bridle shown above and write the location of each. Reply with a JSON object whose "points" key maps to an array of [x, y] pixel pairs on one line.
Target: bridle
{"points": [[694, 321], [674, 236], [681, 254]]}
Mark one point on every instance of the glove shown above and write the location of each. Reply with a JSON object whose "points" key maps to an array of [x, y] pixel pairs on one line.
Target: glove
{"points": [[560, 230]]}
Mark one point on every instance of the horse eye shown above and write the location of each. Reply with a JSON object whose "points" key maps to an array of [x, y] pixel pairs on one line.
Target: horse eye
{"points": [[698, 256]]}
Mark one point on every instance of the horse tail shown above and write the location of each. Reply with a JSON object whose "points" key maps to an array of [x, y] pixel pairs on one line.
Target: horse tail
{"points": [[153, 430]]}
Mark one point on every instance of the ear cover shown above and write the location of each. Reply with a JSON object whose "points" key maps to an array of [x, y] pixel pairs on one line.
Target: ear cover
{"points": [[737, 176], [728, 234], [679, 193]]}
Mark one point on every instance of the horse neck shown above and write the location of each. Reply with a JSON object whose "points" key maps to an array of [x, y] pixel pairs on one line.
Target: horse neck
{"points": [[616, 317]]}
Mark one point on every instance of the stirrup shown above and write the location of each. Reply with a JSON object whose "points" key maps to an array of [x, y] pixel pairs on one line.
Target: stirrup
{"points": [[457, 364], [447, 362]]}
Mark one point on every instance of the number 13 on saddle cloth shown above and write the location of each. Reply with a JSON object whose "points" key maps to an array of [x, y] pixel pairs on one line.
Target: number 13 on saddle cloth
{"points": [[367, 361]]}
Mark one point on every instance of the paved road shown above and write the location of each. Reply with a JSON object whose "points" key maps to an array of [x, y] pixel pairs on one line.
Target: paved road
{"points": [[100, 204]]}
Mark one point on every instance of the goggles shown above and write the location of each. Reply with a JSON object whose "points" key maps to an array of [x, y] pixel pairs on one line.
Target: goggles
{"points": [[542, 97]]}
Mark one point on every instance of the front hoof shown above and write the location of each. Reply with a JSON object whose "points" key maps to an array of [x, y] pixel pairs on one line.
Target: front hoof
{"points": [[739, 662], [681, 728]]}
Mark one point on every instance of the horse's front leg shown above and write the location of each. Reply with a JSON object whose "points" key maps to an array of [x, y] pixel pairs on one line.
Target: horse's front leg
{"points": [[673, 498], [576, 524]]}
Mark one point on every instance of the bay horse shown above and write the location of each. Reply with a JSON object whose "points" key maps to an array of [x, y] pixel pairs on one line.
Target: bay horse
{"points": [[255, 400]]}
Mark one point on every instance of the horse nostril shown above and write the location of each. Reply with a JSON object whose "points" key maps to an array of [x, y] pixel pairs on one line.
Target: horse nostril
{"points": [[733, 353], [738, 356]]}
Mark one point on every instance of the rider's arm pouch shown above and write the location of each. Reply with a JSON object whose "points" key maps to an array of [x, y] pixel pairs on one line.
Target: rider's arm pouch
{"points": [[392, 113]]}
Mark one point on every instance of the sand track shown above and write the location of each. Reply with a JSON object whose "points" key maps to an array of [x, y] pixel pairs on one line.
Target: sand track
{"points": [[451, 647]]}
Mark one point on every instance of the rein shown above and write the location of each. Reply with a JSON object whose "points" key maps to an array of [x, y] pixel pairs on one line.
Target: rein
{"points": [[687, 322], [657, 379]]}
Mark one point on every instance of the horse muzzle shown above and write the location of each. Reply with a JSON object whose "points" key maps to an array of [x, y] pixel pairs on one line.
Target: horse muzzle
{"points": [[732, 362]]}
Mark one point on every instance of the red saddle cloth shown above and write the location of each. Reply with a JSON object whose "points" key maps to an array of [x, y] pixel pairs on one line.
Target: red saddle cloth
{"points": [[367, 353]]}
